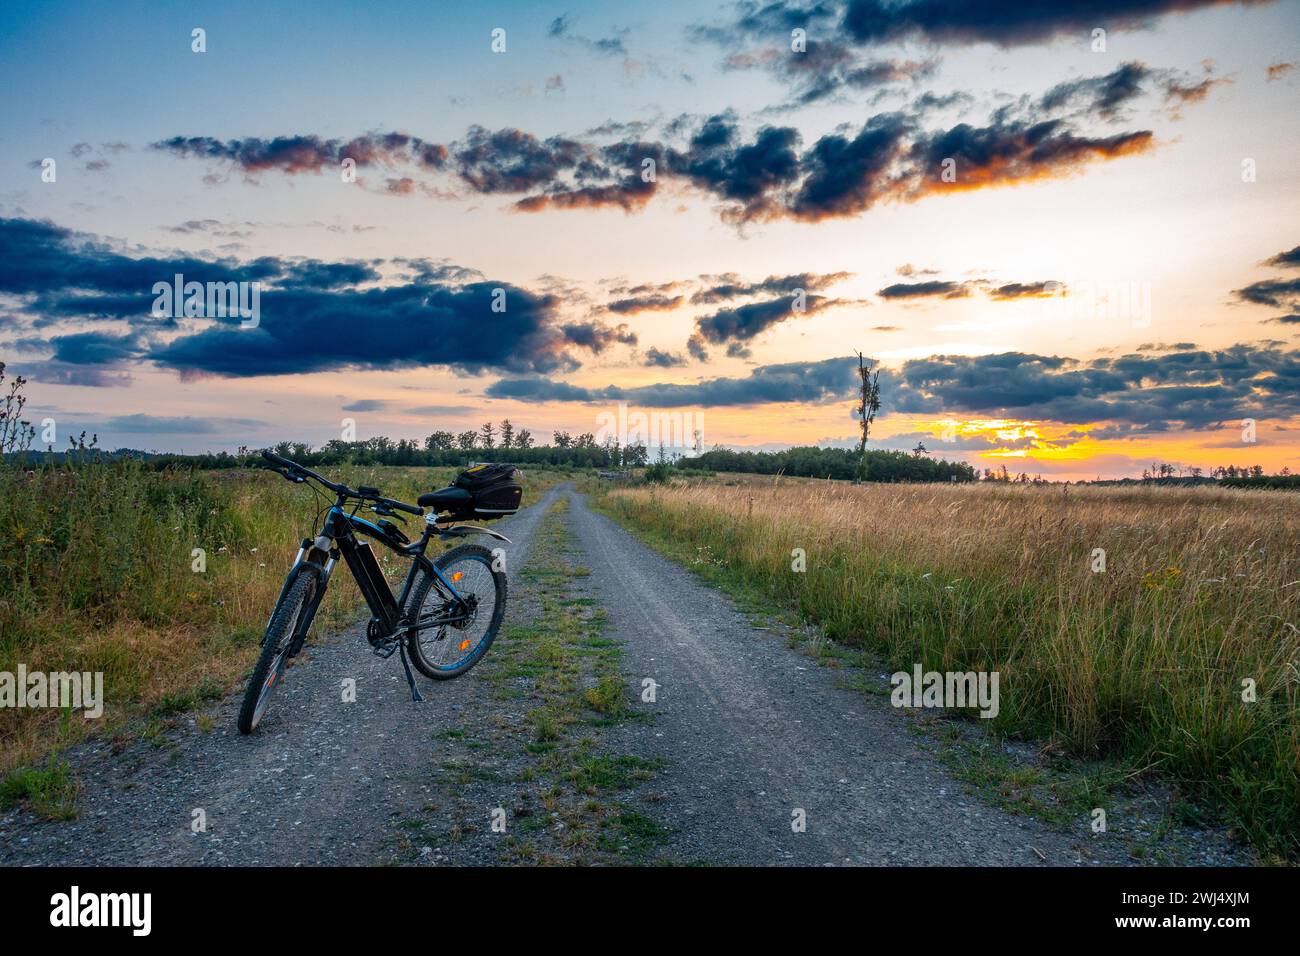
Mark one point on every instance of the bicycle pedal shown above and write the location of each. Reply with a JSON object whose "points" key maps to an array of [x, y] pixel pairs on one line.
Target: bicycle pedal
{"points": [[386, 650]]}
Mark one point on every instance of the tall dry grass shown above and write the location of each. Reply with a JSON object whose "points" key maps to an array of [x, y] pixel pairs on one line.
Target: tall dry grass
{"points": [[1146, 660], [96, 574]]}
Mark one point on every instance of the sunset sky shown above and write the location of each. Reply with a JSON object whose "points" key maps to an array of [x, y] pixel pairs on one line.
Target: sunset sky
{"points": [[1068, 259]]}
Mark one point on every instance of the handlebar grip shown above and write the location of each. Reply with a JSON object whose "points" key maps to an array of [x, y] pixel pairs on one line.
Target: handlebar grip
{"points": [[273, 457], [402, 506]]}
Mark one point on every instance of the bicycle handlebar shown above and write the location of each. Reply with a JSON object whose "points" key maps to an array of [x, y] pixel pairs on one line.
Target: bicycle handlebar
{"points": [[364, 494]]}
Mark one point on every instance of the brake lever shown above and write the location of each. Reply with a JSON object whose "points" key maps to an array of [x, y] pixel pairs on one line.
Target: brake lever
{"points": [[387, 512]]}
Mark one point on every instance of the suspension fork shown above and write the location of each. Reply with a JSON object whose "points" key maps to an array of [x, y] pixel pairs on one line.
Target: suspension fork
{"points": [[302, 563], [322, 572]]}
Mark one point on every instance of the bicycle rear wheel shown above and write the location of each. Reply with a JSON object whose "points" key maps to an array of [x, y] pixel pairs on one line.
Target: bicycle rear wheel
{"points": [[266, 676], [452, 649]]}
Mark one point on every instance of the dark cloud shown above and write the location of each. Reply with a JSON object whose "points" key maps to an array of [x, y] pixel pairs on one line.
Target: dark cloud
{"points": [[925, 290], [313, 273], [512, 161], [792, 382], [401, 326], [1104, 95], [657, 358], [1010, 152], [645, 303], [761, 176], [1185, 389], [1181, 94], [845, 176], [1279, 293], [727, 287], [1027, 290], [69, 274], [1288, 260], [735, 326], [84, 376], [366, 405], [314, 316], [825, 68], [1138, 393], [309, 153], [959, 22], [95, 348], [613, 175], [597, 336], [744, 175], [936, 288]]}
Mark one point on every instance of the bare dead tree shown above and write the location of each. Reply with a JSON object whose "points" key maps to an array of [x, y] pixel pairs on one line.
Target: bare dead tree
{"points": [[868, 405]]}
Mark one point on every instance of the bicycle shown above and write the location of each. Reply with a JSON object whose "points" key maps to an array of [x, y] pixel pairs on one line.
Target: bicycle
{"points": [[435, 618]]}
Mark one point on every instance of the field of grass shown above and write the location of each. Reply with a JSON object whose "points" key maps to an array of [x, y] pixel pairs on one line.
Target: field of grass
{"points": [[1143, 662], [97, 574]]}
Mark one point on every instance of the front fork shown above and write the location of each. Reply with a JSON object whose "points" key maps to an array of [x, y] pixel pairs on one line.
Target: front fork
{"points": [[306, 561]]}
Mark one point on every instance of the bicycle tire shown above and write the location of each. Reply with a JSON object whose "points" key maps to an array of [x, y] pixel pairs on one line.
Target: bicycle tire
{"points": [[270, 664], [466, 554]]}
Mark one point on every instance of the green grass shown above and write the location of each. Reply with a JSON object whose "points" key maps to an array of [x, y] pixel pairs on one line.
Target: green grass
{"points": [[97, 574], [1136, 668], [49, 791], [568, 672]]}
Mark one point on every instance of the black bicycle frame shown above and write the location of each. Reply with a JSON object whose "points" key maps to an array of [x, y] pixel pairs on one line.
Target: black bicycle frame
{"points": [[387, 609], [340, 531]]}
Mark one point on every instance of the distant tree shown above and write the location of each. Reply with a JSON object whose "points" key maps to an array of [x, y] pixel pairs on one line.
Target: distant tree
{"points": [[562, 440], [507, 434], [439, 441], [524, 438], [487, 435], [920, 449], [467, 440], [635, 455]]}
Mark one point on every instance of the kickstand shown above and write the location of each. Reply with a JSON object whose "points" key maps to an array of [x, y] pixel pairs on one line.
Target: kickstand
{"points": [[410, 678]]}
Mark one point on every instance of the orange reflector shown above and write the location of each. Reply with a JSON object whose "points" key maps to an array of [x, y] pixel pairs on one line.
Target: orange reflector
{"points": [[457, 576], [464, 644]]}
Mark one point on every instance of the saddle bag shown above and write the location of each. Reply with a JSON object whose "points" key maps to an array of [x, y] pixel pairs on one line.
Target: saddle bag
{"points": [[494, 490]]}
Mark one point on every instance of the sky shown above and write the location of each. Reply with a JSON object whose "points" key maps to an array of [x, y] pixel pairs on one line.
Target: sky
{"points": [[1065, 234]]}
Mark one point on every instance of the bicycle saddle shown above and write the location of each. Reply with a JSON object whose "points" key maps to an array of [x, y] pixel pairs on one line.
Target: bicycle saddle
{"points": [[446, 499]]}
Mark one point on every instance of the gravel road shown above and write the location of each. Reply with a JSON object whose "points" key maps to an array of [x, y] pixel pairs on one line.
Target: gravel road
{"points": [[752, 736], [320, 782]]}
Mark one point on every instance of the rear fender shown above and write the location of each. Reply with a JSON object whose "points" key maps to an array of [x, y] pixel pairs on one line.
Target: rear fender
{"points": [[465, 530]]}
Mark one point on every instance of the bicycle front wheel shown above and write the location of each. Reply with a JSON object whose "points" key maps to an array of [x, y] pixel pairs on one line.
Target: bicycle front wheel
{"points": [[267, 674], [449, 650]]}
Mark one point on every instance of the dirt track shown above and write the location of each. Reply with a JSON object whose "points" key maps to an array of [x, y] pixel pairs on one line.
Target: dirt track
{"points": [[750, 735]]}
